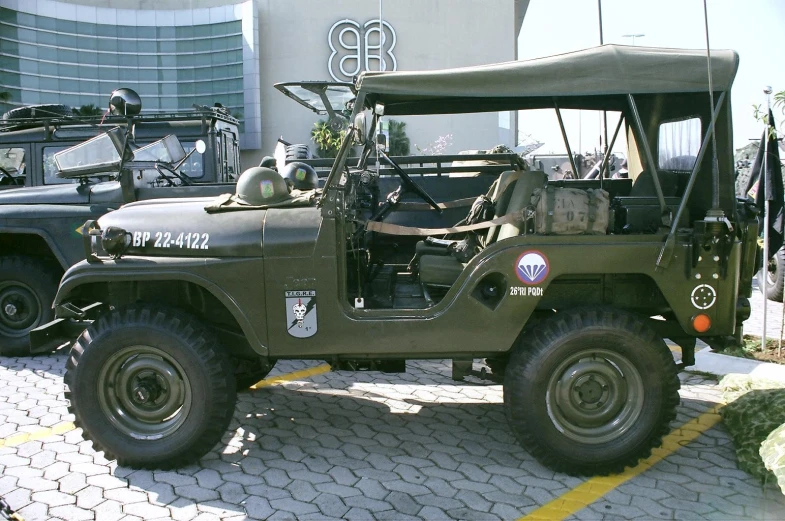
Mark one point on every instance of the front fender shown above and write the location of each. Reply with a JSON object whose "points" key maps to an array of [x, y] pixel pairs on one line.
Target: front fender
{"points": [[58, 225], [217, 276]]}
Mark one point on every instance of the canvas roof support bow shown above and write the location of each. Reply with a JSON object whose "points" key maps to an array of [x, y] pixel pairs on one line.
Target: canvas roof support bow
{"points": [[664, 258], [564, 136], [652, 166]]}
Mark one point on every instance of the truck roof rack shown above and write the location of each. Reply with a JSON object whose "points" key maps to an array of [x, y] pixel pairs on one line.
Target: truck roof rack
{"points": [[198, 112]]}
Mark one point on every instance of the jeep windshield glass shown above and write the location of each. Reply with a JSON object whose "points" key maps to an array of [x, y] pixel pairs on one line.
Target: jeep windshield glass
{"points": [[12, 160], [96, 156], [321, 97]]}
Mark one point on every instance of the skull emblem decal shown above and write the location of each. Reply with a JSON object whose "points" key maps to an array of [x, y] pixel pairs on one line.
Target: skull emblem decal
{"points": [[301, 313]]}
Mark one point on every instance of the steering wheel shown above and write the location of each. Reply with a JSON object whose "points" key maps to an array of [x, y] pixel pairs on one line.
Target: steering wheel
{"points": [[183, 179], [408, 184], [6, 173]]}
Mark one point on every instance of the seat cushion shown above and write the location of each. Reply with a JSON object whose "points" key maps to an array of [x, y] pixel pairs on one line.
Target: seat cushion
{"points": [[440, 270]]}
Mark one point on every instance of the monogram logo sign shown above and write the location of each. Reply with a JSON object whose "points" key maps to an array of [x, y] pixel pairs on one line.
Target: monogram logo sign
{"points": [[358, 47]]}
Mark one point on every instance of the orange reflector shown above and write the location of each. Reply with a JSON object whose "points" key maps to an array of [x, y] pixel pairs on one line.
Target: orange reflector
{"points": [[701, 323]]}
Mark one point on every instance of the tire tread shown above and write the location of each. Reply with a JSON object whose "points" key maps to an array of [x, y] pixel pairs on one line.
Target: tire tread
{"points": [[203, 344], [538, 341]]}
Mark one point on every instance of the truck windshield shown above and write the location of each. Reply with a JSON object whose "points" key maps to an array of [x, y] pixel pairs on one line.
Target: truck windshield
{"points": [[12, 160]]}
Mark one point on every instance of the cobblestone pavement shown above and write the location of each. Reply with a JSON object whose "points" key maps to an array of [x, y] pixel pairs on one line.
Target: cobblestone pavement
{"points": [[351, 446]]}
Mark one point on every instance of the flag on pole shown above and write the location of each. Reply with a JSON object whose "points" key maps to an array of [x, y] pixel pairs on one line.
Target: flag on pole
{"points": [[771, 188]]}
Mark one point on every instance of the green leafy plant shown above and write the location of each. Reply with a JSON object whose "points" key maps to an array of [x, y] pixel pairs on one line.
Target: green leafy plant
{"points": [[399, 141], [327, 140]]}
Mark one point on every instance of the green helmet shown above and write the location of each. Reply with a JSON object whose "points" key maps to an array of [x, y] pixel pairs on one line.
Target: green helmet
{"points": [[268, 162], [259, 186]]}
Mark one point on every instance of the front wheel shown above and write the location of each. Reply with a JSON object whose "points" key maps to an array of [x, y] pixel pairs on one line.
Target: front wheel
{"points": [[590, 391], [150, 387], [27, 289]]}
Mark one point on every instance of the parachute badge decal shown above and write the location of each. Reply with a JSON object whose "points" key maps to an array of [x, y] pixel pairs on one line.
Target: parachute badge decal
{"points": [[531, 267], [301, 313]]}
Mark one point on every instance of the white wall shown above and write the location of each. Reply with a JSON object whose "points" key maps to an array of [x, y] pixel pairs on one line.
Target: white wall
{"points": [[431, 34]]}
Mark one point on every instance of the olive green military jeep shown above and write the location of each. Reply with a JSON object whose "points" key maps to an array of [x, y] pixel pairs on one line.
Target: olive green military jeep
{"points": [[566, 288]]}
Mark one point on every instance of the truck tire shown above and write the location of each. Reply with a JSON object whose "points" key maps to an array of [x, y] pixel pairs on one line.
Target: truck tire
{"points": [[297, 152], [774, 280], [150, 387], [27, 290], [590, 391], [38, 111]]}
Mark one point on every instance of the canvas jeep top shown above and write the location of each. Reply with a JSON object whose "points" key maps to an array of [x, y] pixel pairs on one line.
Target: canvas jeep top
{"points": [[566, 288]]}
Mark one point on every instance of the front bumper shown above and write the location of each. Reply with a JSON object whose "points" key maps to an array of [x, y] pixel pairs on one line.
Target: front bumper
{"points": [[73, 320]]}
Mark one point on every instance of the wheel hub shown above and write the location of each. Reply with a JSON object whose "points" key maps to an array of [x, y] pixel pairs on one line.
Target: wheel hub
{"points": [[19, 309], [10, 309], [591, 390], [594, 396], [144, 392]]}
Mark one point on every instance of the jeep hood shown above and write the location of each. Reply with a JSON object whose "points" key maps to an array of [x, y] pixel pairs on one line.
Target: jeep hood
{"points": [[71, 193], [182, 228]]}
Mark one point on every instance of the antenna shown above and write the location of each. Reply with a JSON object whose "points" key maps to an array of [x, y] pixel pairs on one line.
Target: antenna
{"points": [[715, 167]]}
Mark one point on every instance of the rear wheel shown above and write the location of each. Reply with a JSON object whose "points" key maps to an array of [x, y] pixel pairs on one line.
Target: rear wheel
{"points": [[774, 278], [150, 387], [590, 391], [27, 290]]}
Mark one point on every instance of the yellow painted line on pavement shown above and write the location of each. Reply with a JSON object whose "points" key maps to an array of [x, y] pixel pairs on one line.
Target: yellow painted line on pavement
{"points": [[62, 428], [40, 434], [289, 377], [594, 489]]}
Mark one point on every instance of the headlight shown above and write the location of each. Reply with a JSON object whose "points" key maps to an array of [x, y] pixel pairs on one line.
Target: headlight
{"points": [[115, 240]]}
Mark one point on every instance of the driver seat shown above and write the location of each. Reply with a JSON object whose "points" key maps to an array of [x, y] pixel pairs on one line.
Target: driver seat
{"points": [[510, 196]]}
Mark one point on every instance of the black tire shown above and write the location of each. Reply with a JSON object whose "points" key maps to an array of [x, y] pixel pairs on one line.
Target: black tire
{"points": [[27, 290], [774, 279], [150, 361], [590, 391], [38, 111], [249, 372], [297, 152]]}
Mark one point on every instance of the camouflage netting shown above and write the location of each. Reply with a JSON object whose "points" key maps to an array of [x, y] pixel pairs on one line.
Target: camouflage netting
{"points": [[773, 453], [755, 418]]}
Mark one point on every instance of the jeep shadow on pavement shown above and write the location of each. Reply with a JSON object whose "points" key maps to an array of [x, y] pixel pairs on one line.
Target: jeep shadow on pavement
{"points": [[42, 210], [565, 287]]}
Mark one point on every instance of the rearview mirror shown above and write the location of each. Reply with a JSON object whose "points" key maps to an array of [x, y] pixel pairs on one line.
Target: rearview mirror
{"points": [[381, 141], [200, 146]]}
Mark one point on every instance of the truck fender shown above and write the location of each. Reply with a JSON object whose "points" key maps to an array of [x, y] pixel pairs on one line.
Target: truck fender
{"points": [[50, 242], [73, 279]]}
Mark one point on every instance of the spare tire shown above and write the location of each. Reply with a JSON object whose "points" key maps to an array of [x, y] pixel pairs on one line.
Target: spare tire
{"points": [[38, 111], [297, 152]]}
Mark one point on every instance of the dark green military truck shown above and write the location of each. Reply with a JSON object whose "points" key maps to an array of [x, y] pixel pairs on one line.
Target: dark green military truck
{"points": [[566, 288], [41, 217]]}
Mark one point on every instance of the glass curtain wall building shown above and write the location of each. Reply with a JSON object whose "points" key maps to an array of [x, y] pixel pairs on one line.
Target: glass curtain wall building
{"points": [[57, 52]]}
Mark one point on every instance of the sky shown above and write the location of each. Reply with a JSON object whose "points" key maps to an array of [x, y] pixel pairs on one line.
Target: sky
{"points": [[753, 28]]}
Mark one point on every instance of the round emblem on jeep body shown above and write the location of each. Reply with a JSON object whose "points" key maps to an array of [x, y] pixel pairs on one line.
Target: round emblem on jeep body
{"points": [[703, 296], [531, 267]]}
